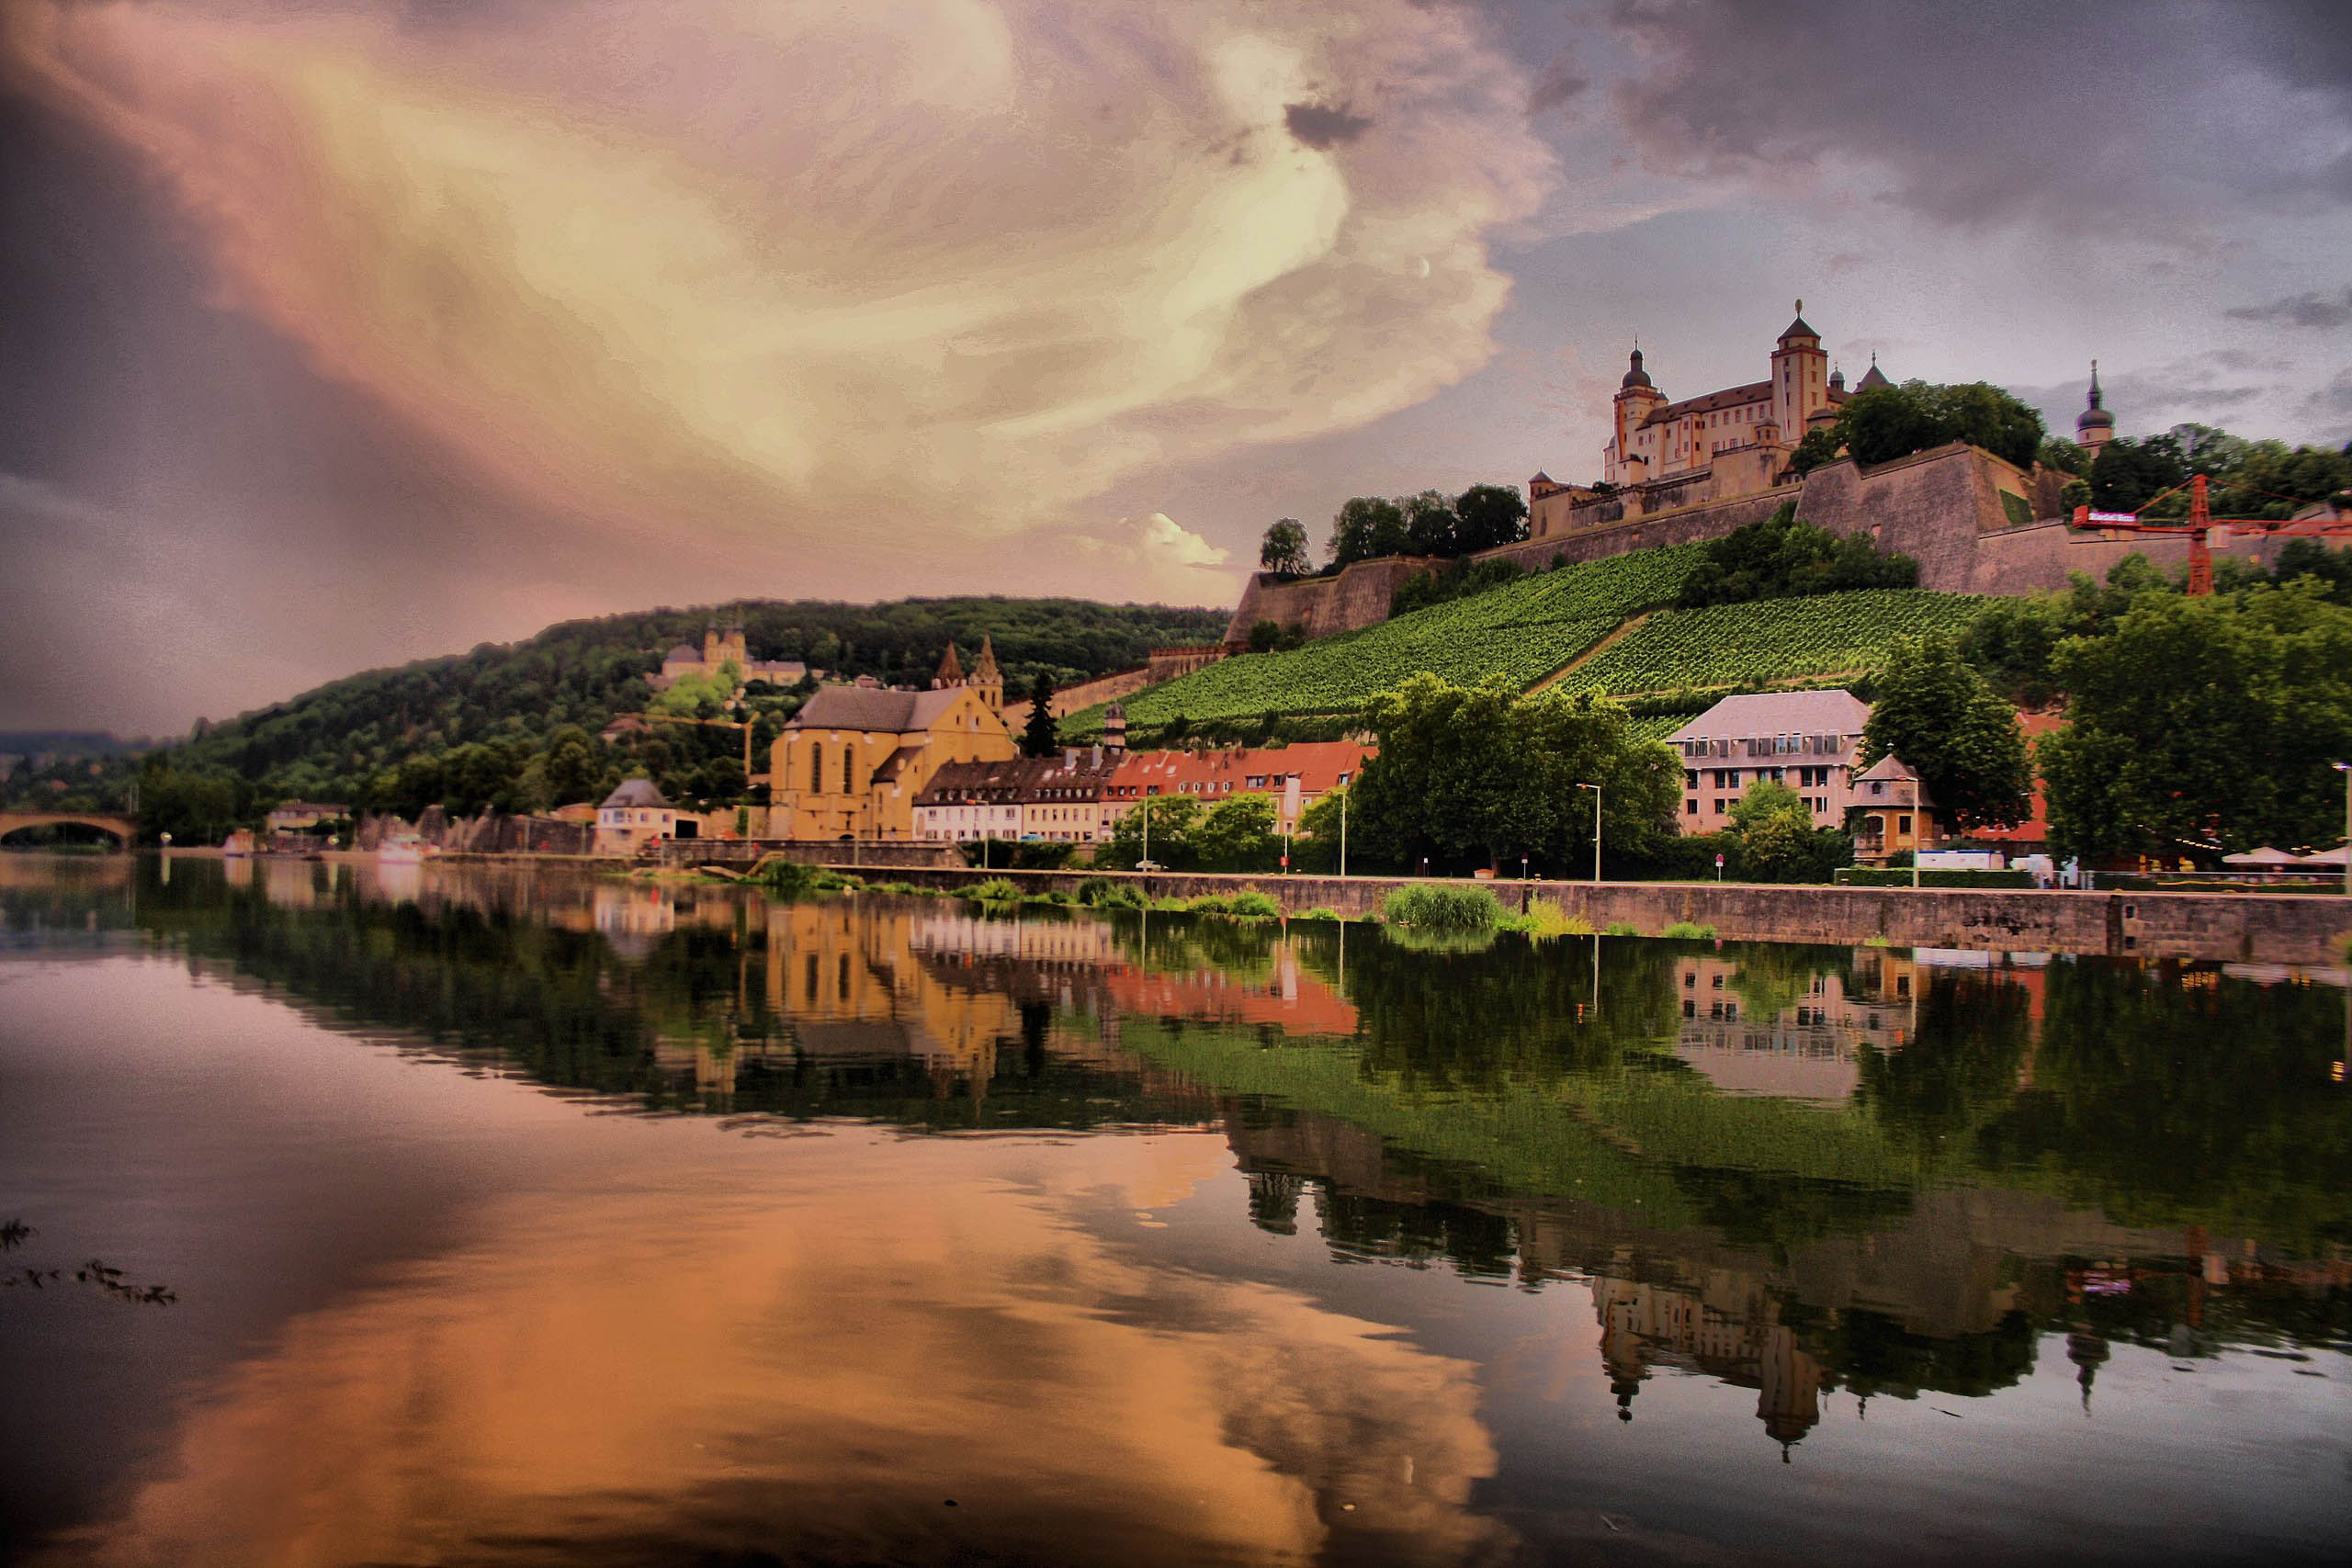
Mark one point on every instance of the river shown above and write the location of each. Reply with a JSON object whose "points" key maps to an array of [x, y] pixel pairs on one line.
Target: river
{"points": [[481, 1215]]}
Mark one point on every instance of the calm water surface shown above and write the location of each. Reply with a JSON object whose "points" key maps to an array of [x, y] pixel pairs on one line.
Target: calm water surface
{"points": [[512, 1218]]}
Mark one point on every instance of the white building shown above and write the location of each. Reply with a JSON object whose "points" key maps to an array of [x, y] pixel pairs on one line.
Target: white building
{"points": [[630, 816], [1803, 739]]}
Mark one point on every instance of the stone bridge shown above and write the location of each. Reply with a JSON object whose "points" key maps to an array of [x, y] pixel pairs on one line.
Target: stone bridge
{"points": [[122, 828]]}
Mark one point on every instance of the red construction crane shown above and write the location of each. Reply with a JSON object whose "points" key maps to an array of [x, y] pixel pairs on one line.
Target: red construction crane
{"points": [[2201, 525]]}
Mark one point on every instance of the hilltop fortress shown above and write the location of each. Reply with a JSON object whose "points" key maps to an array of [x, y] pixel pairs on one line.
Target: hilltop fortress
{"points": [[1675, 472]]}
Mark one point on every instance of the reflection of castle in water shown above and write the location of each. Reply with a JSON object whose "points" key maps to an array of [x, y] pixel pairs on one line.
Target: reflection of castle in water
{"points": [[1808, 1048], [1645, 1325]]}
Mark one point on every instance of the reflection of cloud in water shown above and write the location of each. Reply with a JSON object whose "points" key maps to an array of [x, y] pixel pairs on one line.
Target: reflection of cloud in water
{"points": [[813, 1365]]}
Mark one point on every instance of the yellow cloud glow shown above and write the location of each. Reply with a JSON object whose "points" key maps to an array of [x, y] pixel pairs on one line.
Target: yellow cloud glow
{"points": [[827, 275]]}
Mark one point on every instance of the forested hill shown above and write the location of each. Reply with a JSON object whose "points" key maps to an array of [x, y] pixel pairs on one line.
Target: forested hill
{"points": [[461, 729]]}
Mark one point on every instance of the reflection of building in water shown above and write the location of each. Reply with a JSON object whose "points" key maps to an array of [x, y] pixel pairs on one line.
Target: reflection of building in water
{"points": [[1740, 1341], [1809, 1048], [634, 917]]}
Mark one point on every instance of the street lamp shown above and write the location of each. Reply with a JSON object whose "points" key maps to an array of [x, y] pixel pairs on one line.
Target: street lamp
{"points": [[1596, 829], [2345, 769]]}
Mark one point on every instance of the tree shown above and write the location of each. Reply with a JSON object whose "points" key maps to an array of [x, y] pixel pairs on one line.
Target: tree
{"points": [[2064, 456], [1486, 773], [1237, 834], [1773, 835], [2128, 473], [1816, 447], [1430, 526], [1887, 422], [1487, 516], [571, 765], [1365, 528], [2204, 722], [1315, 846], [1782, 557], [1040, 737], [1173, 819], [1284, 551], [1939, 715]]}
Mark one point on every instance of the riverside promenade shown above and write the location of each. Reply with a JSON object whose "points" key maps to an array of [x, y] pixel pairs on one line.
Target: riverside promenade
{"points": [[2256, 928]]}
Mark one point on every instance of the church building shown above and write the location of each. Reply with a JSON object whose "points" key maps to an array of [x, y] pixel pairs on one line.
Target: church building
{"points": [[850, 763]]}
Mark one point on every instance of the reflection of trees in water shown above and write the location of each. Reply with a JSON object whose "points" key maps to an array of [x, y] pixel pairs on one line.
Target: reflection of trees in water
{"points": [[2173, 1095], [1970, 1031]]}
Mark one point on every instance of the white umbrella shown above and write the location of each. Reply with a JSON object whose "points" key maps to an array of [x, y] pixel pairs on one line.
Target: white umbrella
{"points": [[2326, 857], [2265, 855]]}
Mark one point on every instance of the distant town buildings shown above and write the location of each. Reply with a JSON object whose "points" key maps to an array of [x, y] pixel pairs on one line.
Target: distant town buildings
{"points": [[1078, 796], [630, 816], [719, 649]]}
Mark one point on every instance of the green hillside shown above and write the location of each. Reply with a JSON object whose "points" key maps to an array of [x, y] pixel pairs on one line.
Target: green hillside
{"points": [[459, 732], [1540, 626], [1526, 629]]}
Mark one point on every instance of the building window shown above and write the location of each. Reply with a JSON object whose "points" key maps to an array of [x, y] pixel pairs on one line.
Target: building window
{"points": [[1690, 807], [816, 775], [1903, 825]]}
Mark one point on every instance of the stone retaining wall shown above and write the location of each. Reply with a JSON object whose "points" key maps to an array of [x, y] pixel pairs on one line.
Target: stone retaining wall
{"points": [[2274, 927], [680, 853]]}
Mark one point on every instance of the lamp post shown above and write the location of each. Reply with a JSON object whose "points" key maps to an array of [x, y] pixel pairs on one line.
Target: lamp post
{"points": [[1596, 829], [2345, 769], [1343, 830]]}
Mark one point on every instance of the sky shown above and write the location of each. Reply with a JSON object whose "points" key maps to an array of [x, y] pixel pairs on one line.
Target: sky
{"points": [[336, 333]]}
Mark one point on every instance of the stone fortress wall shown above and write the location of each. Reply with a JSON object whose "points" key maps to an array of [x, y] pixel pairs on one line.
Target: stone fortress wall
{"points": [[1944, 508]]}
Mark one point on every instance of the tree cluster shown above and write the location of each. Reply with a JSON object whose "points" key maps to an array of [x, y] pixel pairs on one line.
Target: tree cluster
{"points": [[1235, 834], [1484, 774], [1369, 526], [2249, 479], [1781, 557], [1892, 422], [1945, 721]]}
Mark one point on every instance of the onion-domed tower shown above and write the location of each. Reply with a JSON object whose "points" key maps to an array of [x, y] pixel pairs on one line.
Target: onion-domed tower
{"points": [[2094, 427]]}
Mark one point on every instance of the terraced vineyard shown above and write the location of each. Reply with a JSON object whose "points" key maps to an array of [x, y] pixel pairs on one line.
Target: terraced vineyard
{"points": [[1532, 628], [1525, 630], [1769, 640]]}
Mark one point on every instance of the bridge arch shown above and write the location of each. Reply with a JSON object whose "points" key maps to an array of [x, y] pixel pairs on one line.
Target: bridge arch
{"points": [[122, 828]]}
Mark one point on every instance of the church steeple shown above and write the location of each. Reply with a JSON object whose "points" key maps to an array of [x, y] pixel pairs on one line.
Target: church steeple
{"points": [[2094, 427], [951, 671], [986, 676]]}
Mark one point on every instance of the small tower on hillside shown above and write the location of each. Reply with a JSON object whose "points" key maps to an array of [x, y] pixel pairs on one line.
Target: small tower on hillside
{"points": [[1115, 729], [987, 677], [951, 671], [1873, 377], [2094, 427], [710, 644]]}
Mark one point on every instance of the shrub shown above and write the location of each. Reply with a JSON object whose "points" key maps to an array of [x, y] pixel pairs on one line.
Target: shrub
{"points": [[1545, 919], [1103, 893], [825, 881], [1321, 913], [1621, 928], [779, 874], [1685, 930], [995, 890], [899, 887], [1208, 904], [1429, 908], [1256, 906]]}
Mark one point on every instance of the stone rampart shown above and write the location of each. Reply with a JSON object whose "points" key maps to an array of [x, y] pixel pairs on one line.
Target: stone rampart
{"points": [[1318, 606], [2284, 927]]}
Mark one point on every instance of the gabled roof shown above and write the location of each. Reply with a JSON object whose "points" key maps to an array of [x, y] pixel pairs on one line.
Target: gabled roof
{"points": [[1873, 377], [1730, 397], [1888, 768], [638, 793], [1798, 328], [1779, 713], [873, 709]]}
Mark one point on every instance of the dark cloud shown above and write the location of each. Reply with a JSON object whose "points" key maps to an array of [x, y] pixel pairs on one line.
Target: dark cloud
{"points": [[2158, 118], [1561, 82], [1319, 125], [2332, 400], [2326, 311]]}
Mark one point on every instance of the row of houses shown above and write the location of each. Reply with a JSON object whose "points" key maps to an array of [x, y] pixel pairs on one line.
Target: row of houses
{"points": [[1078, 796]]}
